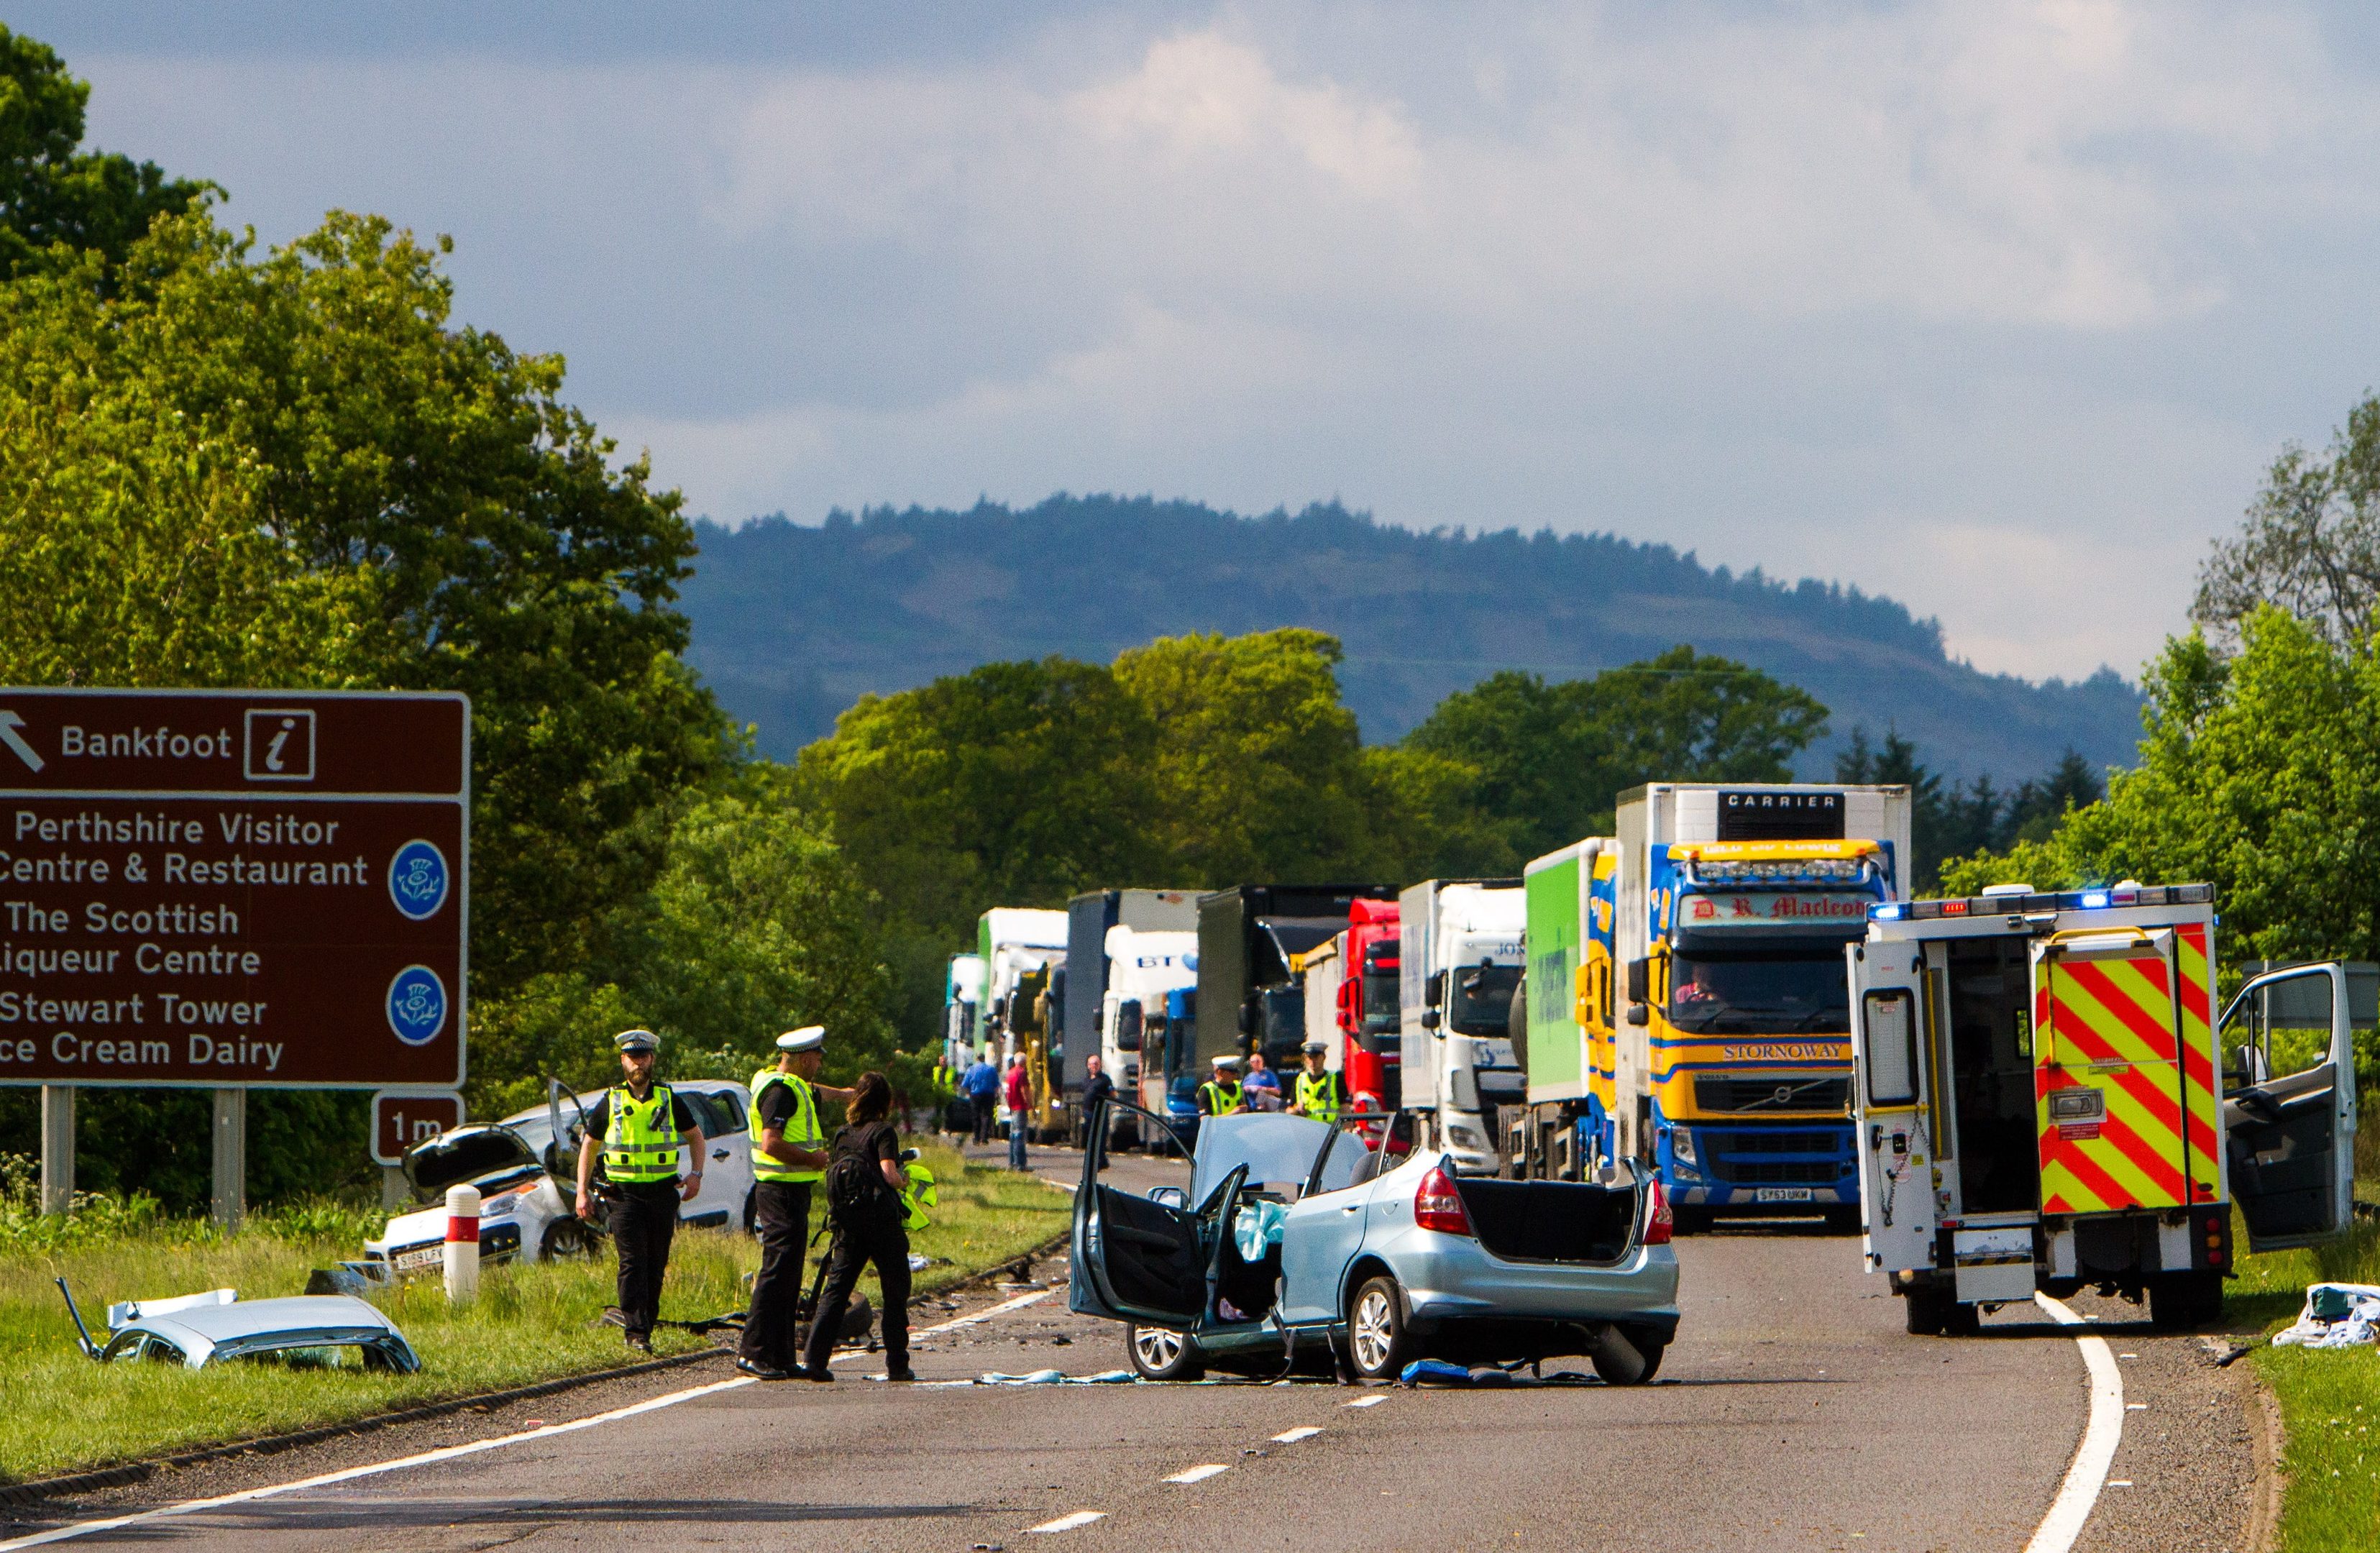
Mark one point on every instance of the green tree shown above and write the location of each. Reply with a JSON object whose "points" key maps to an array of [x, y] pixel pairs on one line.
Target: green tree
{"points": [[2260, 774], [52, 192], [1259, 770], [1552, 758], [2310, 544], [295, 469]]}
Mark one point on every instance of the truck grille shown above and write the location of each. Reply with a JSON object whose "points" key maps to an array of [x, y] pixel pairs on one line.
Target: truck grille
{"points": [[1715, 1092], [1776, 1172], [1774, 1143]]}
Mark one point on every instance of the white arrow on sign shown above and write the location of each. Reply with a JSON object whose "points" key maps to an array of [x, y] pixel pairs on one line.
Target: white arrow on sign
{"points": [[9, 723]]}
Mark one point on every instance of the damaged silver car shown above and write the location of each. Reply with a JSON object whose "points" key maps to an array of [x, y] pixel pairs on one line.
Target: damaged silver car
{"points": [[321, 1331]]}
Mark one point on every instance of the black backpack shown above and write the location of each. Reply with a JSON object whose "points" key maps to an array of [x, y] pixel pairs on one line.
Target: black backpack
{"points": [[854, 1187]]}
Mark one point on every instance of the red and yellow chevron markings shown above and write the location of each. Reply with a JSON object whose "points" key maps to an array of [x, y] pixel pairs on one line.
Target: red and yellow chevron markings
{"points": [[2134, 1028]]}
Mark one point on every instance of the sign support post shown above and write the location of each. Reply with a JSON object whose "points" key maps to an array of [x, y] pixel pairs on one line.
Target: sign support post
{"points": [[57, 1147], [231, 1157]]}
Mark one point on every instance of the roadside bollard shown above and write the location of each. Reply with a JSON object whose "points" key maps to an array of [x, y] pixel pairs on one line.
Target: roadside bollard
{"points": [[462, 1245]]}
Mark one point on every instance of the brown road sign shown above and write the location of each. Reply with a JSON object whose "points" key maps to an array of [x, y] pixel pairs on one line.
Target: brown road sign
{"points": [[235, 887], [403, 1118]]}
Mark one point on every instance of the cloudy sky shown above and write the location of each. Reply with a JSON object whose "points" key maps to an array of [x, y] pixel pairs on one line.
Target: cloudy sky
{"points": [[1999, 308]]}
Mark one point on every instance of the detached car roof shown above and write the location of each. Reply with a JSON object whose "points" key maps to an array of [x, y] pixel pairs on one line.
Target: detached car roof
{"points": [[241, 1328]]}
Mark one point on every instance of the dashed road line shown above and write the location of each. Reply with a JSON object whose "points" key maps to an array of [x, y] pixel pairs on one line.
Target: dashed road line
{"points": [[1291, 1436], [1365, 1401], [1073, 1523], [2071, 1509], [1200, 1474]]}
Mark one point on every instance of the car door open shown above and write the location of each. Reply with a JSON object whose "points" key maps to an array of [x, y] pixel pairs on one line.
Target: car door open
{"points": [[2288, 1105], [1134, 1258]]}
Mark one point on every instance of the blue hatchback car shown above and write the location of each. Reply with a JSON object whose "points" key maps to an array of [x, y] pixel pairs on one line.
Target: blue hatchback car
{"points": [[1303, 1244]]}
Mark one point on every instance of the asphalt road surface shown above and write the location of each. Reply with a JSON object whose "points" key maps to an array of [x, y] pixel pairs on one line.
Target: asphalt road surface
{"points": [[1793, 1413]]}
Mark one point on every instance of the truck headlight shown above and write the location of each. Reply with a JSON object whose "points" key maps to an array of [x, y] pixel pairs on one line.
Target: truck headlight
{"points": [[1682, 1146], [1461, 1136]]}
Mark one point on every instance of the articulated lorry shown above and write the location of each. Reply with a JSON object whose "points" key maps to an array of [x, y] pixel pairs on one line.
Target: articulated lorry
{"points": [[1249, 996], [1087, 1009], [2048, 1101], [1459, 967], [1351, 995], [1686, 1008]]}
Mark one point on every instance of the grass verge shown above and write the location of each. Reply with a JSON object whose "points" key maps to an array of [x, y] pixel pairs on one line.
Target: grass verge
{"points": [[2329, 1398], [530, 1324]]}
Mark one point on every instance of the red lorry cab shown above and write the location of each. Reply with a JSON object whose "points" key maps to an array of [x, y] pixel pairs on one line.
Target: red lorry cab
{"points": [[1367, 1006]]}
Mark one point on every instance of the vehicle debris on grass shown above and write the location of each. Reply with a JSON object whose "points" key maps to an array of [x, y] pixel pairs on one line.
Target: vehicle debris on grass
{"points": [[316, 1331]]}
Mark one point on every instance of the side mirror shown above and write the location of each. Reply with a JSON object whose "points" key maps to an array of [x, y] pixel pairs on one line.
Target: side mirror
{"points": [[1247, 1020], [1638, 1013], [1429, 1019], [1170, 1196], [1640, 982], [1434, 991]]}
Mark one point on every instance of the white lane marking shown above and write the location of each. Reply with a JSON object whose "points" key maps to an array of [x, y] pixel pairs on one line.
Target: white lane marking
{"points": [[1291, 1436], [1365, 1401], [1199, 1475], [1002, 1308], [2071, 1509], [1075, 1522], [189, 1507], [444, 1453]]}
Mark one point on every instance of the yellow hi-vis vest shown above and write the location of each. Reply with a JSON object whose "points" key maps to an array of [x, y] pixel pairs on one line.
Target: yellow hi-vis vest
{"points": [[918, 1195], [801, 1128], [1219, 1099], [1320, 1098], [641, 1139]]}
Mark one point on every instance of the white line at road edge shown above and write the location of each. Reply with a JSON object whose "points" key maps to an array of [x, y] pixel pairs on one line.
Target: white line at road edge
{"points": [[1199, 1475], [1075, 1522], [190, 1507], [1365, 1401], [1291, 1436], [444, 1453], [2071, 1509]]}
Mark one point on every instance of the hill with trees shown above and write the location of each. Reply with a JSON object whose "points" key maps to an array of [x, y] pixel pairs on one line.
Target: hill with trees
{"points": [[793, 623]]}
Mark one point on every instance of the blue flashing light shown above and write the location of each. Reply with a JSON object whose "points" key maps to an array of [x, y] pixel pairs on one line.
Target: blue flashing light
{"points": [[2093, 899], [1888, 912]]}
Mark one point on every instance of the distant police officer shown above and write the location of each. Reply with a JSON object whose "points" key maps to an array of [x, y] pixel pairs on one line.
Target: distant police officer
{"points": [[641, 1125], [1320, 1094], [788, 1158], [1221, 1095]]}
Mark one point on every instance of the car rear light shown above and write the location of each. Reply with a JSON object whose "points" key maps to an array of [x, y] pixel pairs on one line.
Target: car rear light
{"points": [[1659, 1222], [1436, 1205]]}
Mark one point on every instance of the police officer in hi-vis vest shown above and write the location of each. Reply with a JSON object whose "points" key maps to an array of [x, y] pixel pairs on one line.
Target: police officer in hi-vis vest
{"points": [[1320, 1093], [788, 1159], [1221, 1095], [636, 1129]]}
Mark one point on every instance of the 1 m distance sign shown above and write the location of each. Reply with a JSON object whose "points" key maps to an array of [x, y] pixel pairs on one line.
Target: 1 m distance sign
{"points": [[234, 888]]}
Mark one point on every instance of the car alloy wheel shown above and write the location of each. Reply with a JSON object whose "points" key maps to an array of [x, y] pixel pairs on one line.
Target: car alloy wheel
{"points": [[1377, 1338], [1162, 1353]]}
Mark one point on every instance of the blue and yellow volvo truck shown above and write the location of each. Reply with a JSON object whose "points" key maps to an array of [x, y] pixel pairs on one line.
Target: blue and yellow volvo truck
{"points": [[1685, 1000]]}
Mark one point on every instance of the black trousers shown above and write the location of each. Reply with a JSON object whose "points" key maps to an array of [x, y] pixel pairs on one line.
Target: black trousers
{"points": [[644, 1217], [882, 1241], [984, 1106], [781, 1211]]}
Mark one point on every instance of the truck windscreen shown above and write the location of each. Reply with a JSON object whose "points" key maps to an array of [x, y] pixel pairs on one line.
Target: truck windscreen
{"points": [[1776, 987], [1481, 1002]]}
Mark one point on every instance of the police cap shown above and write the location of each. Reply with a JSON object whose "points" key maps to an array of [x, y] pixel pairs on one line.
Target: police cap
{"points": [[809, 1037], [1315, 1048], [637, 1041]]}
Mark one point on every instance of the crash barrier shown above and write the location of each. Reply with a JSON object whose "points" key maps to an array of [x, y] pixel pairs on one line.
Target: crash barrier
{"points": [[462, 1245]]}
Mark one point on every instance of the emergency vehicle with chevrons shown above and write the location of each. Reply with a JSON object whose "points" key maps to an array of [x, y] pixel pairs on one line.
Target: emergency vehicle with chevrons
{"points": [[2043, 1104]]}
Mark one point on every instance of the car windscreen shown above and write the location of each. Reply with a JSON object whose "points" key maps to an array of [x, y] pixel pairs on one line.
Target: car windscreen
{"points": [[1765, 987], [1480, 998], [1278, 1149]]}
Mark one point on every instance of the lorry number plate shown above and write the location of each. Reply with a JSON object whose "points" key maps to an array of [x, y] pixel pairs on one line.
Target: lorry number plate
{"points": [[1781, 1194]]}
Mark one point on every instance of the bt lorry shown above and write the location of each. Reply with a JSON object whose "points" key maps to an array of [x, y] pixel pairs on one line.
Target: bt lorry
{"points": [[2047, 1101], [1685, 1011], [1459, 967]]}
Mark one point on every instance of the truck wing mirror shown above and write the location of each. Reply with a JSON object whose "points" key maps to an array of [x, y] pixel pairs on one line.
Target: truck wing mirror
{"points": [[1638, 1013], [1434, 991], [1640, 981], [1247, 1020], [1429, 1019]]}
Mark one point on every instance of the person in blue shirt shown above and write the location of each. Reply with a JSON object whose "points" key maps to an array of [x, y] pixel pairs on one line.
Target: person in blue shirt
{"points": [[982, 1086]]}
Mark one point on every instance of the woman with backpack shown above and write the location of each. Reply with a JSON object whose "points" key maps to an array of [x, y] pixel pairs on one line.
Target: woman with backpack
{"points": [[863, 1202]]}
